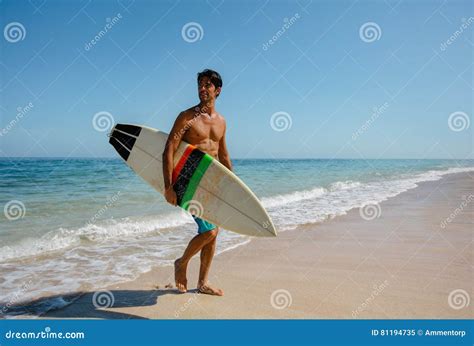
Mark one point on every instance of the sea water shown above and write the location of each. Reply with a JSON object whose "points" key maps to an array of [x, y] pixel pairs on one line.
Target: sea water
{"points": [[71, 224]]}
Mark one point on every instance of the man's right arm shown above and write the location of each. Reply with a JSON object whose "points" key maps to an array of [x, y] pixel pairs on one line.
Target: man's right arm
{"points": [[172, 144]]}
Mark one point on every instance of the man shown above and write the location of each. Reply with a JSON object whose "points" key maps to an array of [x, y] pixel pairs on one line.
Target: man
{"points": [[204, 128]]}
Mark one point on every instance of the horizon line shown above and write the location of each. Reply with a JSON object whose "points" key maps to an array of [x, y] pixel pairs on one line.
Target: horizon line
{"points": [[238, 158]]}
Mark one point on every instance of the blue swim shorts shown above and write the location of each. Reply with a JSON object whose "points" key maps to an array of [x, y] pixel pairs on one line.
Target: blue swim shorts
{"points": [[203, 226]]}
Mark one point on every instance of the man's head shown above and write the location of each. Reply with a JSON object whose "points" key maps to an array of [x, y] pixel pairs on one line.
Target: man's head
{"points": [[209, 85]]}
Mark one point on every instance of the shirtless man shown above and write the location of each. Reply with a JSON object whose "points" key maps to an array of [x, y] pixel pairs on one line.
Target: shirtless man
{"points": [[204, 128]]}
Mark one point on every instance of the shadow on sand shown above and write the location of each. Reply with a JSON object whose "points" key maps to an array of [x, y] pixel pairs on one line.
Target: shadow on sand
{"points": [[85, 304]]}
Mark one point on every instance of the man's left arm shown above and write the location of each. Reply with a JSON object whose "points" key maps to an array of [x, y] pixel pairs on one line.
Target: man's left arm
{"points": [[223, 153]]}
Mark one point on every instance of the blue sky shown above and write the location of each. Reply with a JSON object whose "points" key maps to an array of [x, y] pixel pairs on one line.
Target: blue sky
{"points": [[323, 73]]}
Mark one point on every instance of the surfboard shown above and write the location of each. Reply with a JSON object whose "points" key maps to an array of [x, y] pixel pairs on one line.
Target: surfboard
{"points": [[204, 187]]}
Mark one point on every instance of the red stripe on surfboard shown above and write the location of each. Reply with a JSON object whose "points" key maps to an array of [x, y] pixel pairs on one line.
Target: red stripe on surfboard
{"points": [[182, 161]]}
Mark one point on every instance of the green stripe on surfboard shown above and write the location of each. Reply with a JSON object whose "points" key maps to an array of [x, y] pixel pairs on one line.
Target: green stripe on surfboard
{"points": [[195, 180]]}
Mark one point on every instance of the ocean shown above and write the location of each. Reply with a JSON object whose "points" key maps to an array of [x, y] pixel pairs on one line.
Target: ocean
{"points": [[73, 224]]}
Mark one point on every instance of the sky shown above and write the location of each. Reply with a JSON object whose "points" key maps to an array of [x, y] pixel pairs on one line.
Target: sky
{"points": [[302, 79]]}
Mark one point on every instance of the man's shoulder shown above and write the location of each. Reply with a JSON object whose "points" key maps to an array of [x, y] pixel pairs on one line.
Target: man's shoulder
{"points": [[187, 114]]}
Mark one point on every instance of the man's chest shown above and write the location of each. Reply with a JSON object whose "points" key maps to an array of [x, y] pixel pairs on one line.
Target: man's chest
{"points": [[201, 129]]}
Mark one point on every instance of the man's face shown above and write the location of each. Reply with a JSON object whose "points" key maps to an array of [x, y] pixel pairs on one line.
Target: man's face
{"points": [[207, 91]]}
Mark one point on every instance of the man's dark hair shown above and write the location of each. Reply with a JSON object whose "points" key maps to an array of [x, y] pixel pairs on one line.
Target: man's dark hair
{"points": [[214, 76]]}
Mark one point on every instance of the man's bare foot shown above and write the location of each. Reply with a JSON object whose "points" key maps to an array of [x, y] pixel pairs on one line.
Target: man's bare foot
{"points": [[180, 276], [206, 289]]}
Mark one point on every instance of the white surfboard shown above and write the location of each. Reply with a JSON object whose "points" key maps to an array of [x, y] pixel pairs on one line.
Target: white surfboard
{"points": [[204, 186]]}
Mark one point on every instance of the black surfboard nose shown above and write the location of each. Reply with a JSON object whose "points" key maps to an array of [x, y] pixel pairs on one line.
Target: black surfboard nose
{"points": [[123, 152], [130, 129], [123, 137]]}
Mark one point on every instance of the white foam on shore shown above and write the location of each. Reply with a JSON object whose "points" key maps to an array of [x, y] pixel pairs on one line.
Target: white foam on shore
{"points": [[297, 208], [297, 196], [64, 238], [92, 266]]}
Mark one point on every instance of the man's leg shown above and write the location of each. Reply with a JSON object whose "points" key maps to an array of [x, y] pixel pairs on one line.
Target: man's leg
{"points": [[181, 264], [207, 254]]}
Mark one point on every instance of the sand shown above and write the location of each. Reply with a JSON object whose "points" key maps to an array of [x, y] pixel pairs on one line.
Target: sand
{"points": [[401, 264]]}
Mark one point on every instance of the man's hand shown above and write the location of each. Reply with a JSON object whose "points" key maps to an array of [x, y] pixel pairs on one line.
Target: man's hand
{"points": [[170, 196]]}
